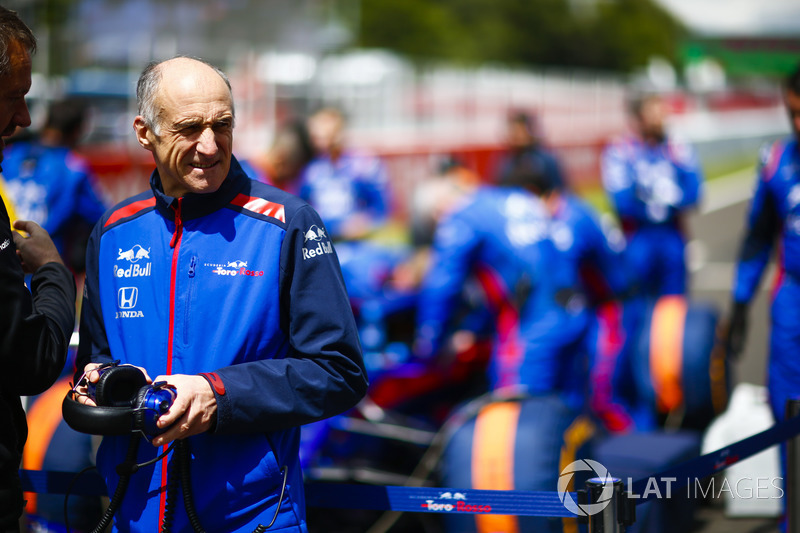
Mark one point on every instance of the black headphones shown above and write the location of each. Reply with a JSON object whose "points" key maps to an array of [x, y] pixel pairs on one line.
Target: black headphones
{"points": [[126, 403]]}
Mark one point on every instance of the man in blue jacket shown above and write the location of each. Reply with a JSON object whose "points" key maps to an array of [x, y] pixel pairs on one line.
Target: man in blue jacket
{"points": [[652, 181], [350, 189], [774, 222], [502, 236], [229, 290]]}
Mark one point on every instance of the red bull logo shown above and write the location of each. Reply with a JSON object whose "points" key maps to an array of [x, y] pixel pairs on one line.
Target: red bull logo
{"points": [[133, 271], [320, 249], [134, 254]]}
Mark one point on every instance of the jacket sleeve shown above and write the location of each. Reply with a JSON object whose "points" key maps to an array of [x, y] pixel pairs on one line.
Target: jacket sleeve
{"points": [[689, 172], [602, 263], [93, 346], [376, 191], [763, 223], [36, 325], [323, 373], [454, 248], [617, 178]]}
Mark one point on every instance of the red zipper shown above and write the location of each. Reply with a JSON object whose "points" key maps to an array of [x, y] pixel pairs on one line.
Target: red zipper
{"points": [[175, 244]]}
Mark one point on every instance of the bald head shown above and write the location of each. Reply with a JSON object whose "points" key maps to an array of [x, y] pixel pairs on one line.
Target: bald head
{"points": [[188, 69]]}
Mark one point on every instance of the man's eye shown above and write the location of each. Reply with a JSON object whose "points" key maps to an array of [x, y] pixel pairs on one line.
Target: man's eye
{"points": [[189, 129]]}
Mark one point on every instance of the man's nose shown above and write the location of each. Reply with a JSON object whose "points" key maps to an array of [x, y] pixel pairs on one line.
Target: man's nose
{"points": [[207, 143], [22, 116]]}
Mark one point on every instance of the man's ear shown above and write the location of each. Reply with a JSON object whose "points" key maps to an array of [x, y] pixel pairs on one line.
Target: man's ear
{"points": [[143, 133]]}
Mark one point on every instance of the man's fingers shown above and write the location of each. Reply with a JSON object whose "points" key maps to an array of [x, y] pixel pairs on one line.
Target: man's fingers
{"points": [[28, 226]]}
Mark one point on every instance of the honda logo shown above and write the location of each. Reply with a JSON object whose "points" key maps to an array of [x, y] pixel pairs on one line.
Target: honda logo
{"points": [[126, 297]]}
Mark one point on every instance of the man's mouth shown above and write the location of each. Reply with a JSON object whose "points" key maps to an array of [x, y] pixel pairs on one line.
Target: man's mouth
{"points": [[203, 166]]}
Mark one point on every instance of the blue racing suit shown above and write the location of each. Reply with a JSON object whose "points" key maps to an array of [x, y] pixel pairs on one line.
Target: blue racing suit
{"points": [[597, 254], [243, 287], [353, 184], [650, 187], [52, 186], [775, 217], [502, 236]]}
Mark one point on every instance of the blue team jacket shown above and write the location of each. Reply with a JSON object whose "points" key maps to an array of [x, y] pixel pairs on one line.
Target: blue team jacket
{"points": [[774, 212], [502, 236], [51, 185], [651, 185], [354, 183], [242, 284]]}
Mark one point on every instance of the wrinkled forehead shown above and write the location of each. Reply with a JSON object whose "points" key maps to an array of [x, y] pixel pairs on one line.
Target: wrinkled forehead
{"points": [[193, 87]]}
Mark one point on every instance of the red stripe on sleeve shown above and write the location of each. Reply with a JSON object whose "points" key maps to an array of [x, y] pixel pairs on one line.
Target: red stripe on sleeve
{"points": [[261, 206], [130, 210]]}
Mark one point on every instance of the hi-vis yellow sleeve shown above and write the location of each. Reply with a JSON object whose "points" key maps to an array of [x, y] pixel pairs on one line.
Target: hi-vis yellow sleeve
{"points": [[12, 216]]}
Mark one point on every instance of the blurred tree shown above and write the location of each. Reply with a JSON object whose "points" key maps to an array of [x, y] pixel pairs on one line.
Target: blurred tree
{"points": [[606, 34]]}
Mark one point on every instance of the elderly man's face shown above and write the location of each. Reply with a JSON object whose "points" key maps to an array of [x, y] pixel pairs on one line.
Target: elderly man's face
{"points": [[193, 148], [13, 88]]}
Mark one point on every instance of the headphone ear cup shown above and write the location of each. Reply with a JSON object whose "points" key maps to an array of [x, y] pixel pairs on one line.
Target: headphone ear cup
{"points": [[118, 386], [100, 420], [140, 414]]}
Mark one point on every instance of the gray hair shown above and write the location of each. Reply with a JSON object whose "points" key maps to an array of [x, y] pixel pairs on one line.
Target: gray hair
{"points": [[147, 88], [12, 29]]}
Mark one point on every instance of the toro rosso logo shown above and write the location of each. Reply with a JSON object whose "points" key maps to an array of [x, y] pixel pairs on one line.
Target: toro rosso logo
{"points": [[454, 501], [134, 254], [234, 268], [317, 235]]}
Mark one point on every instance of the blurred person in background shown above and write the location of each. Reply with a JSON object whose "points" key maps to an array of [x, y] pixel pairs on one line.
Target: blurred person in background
{"points": [[431, 201], [773, 223], [538, 371], [525, 145], [283, 163], [594, 250], [502, 235], [35, 323], [652, 181], [53, 185], [349, 189]]}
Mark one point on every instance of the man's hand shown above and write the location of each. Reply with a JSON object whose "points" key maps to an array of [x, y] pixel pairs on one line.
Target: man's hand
{"points": [[194, 410], [737, 329], [92, 375], [37, 248]]}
